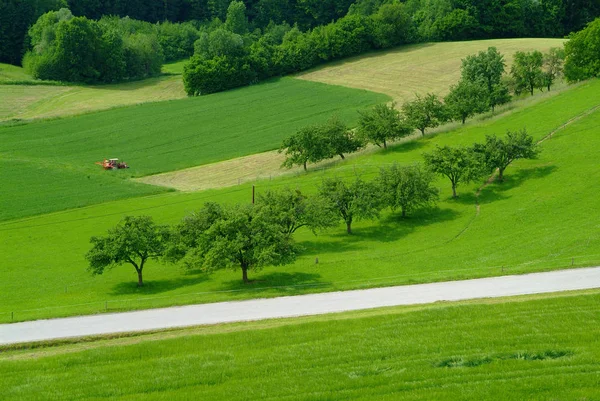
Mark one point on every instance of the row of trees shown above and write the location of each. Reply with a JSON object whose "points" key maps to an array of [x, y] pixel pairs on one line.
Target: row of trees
{"points": [[482, 87], [248, 237]]}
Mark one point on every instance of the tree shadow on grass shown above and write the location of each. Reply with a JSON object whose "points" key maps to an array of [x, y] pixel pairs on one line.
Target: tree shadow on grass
{"points": [[157, 286], [405, 147], [320, 245], [281, 282], [394, 226]]}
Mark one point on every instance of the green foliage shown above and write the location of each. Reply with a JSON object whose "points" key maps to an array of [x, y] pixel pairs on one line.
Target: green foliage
{"points": [[307, 145], [382, 124], [338, 138], [134, 240], [219, 43], [466, 99], [82, 50], [456, 25], [359, 200], [241, 236], [459, 164], [291, 210], [205, 76], [392, 26], [177, 40], [407, 187], [499, 153], [527, 71], [553, 66], [236, 21], [424, 112], [582, 53], [319, 142], [485, 66]]}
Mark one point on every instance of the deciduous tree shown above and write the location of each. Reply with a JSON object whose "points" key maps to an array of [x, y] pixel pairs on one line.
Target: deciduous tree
{"points": [[424, 112], [307, 145], [338, 138], [499, 153], [407, 187], [355, 201], [135, 240], [292, 210], [527, 70], [459, 164], [582, 53], [553, 66], [382, 124], [467, 99], [241, 237]]}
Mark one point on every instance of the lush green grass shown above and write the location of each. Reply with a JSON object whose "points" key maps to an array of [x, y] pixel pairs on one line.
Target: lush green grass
{"points": [[10, 72], [539, 219], [157, 137], [544, 349], [175, 68], [422, 68]]}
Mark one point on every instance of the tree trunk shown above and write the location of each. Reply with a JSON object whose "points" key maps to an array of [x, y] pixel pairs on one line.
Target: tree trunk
{"points": [[342, 156], [245, 274], [500, 174], [384, 144], [454, 190], [304, 166], [423, 132], [549, 87], [531, 90], [349, 227], [140, 280], [403, 212], [464, 119]]}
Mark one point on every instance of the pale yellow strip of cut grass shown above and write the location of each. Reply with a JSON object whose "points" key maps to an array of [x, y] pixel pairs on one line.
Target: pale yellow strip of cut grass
{"points": [[422, 68], [38, 101]]}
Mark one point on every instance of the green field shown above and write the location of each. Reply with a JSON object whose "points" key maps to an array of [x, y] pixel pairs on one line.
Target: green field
{"points": [[421, 68], [542, 217], [517, 349], [156, 137]]}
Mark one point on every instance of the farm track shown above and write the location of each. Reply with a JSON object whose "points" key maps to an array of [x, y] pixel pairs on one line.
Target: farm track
{"points": [[301, 305]]}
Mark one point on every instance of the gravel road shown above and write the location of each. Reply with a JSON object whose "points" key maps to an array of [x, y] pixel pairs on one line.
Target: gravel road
{"points": [[301, 305]]}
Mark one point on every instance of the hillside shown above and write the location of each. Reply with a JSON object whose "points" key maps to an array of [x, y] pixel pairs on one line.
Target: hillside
{"points": [[538, 219], [421, 68], [41, 157]]}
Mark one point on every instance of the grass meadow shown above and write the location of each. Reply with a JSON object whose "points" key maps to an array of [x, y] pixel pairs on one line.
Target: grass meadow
{"points": [[528, 348], [156, 137], [422, 68], [33, 101], [544, 216]]}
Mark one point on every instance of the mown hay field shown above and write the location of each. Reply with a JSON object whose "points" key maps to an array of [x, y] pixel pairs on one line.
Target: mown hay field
{"points": [[542, 217], [404, 71], [532, 348]]}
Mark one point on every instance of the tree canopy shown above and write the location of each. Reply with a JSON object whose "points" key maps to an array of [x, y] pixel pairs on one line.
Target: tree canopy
{"points": [[582, 52], [424, 112], [527, 71], [407, 187], [382, 124], [458, 164], [359, 200], [134, 241], [466, 99], [499, 153]]}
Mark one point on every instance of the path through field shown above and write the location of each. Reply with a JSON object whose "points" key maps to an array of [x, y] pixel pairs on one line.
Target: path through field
{"points": [[302, 305]]}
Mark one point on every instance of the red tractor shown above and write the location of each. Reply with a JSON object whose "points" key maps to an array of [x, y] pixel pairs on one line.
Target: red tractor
{"points": [[112, 164]]}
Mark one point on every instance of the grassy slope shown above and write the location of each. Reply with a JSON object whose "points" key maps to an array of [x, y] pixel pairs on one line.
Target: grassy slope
{"points": [[538, 219], [538, 349], [157, 137], [422, 68], [39, 101]]}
